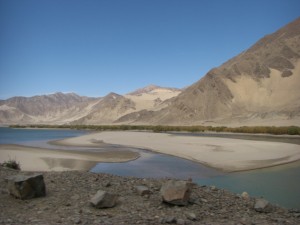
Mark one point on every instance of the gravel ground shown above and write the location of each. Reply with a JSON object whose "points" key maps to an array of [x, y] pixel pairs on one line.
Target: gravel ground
{"points": [[68, 195]]}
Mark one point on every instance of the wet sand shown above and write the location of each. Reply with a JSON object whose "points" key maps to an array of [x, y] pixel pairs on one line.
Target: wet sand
{"points": [[226, 154], [39, 159]]}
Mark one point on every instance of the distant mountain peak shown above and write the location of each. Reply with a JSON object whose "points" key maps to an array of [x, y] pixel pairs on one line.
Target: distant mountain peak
{"points": [[150, 88], [112, 94]]}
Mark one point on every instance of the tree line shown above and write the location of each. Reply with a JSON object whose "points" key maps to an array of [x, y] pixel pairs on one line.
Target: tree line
{"points": [[291, 130]]}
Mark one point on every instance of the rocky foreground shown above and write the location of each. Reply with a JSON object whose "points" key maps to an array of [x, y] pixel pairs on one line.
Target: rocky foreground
{"points": [[68, 196]]}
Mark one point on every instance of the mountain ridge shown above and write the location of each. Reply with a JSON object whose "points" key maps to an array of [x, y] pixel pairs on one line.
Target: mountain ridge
{"points": [[259, 86], [220, 97], [150, 88], [71, 108]]}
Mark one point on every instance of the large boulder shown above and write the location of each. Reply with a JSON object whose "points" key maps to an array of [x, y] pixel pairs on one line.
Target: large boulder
{"points": [[26, 187], [176, 192], [103, 199]]}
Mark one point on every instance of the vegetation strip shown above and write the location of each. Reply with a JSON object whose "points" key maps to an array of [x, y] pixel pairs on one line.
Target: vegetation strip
{"points": [[291, 130]]}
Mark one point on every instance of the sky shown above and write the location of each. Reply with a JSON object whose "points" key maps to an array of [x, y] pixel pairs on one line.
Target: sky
{"points": [[93, 47]]}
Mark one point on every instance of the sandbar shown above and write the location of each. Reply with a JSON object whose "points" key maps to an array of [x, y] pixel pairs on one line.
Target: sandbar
{"points": [[226, 154], [39, 159]]}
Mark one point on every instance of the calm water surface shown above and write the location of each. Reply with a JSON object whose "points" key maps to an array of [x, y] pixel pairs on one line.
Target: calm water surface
{"points": [[279, 184], [26, 136]]}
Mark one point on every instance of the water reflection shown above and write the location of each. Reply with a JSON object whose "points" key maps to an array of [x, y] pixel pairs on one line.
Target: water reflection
{"points": [[157, 166]]}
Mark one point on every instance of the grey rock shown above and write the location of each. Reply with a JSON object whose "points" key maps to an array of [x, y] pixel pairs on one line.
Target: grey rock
{"points": [[176, 192], [294, 210], [203, 200], [103, 199], [107, 184], [262, 205], [142, 190], [75, 197], [170, 219], [26, 187], [77, 221], [297, 215], [191, 216], [180, 222], [3, 191]]}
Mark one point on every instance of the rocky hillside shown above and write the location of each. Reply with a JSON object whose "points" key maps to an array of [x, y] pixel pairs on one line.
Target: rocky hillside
{"points": [[53, 108], [116, 109], [60, 108], [139, 201], [259, 86], [107, 110]]}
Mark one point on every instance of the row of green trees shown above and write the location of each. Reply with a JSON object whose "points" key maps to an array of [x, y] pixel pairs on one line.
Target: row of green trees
{"points": [[291, 130]]}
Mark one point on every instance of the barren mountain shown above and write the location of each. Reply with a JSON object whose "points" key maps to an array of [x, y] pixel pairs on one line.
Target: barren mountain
{"points": [[107, 110], [152, 89], [113, 106], [55, 108], [70, 108], [152, 97], [259, 86]]}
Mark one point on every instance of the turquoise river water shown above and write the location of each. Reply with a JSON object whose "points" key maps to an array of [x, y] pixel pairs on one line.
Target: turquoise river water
{"points": [[280, 184]]}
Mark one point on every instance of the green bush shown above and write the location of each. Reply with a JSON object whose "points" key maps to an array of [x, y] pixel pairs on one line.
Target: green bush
{"points": [[293, 130]]}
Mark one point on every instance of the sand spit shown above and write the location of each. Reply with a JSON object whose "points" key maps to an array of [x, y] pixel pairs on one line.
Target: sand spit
{"points": [[39, 159], [222, 153]]}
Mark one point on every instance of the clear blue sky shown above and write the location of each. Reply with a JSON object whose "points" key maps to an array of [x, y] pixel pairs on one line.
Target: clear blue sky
{"points": [[92, 47]]}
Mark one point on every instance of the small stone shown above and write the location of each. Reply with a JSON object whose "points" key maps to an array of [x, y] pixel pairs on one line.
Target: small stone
{"points": [[107, 184], [193, 201], [297, 215], [245, 195], [191, 216], [75, 197], [294, 210], [204, 200], [146, 196], [180, 221], [3, 191], [77, 221], [103, 199], [170, 219], [213, 188], [142, 190]]}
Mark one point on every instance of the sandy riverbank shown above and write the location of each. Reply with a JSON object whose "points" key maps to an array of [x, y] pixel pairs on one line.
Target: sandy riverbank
{"points": [[38, 159], [223, 153]]}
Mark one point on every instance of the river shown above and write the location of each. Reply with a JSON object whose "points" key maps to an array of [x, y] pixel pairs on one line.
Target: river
{"points": [[280, 184]]}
